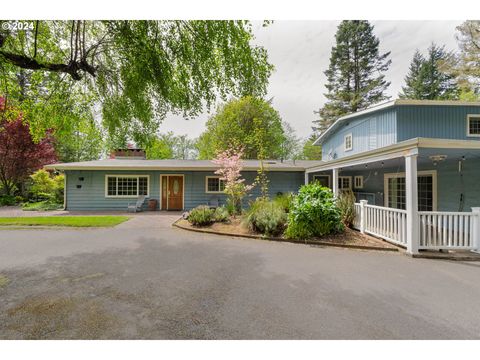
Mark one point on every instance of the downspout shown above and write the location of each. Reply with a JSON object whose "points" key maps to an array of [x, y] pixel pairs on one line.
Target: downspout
{"points": [[65, 191]]}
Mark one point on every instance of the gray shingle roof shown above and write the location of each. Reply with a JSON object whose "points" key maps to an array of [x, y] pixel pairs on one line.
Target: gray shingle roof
{"points": [[192, 165]]}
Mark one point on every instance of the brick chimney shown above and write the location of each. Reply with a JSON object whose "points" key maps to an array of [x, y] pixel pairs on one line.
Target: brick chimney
{"points": [[130, 154]]}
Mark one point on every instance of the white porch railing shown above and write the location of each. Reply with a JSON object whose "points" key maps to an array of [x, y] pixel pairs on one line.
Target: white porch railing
{"points": [[437, 230], [387, 223], [447, 230], [358, 213]]}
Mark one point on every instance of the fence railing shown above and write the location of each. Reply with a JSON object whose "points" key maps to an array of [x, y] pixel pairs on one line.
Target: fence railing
{"points": [[436, 229], [387, 223], [358, 213], [447, 230]]}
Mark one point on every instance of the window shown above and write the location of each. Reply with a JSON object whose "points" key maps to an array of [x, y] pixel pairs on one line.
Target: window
{"points": [[358, 180], [395, 191], [214, 184], [473, 125], [348, 142], [344, 182], [324, 180], [126, 185]]}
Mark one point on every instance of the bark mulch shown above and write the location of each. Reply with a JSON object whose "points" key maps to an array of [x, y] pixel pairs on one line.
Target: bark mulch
{"points": [[350, 238]]}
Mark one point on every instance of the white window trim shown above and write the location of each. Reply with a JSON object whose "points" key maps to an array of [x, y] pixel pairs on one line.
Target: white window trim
{"points": [[206, 185], [345, 142], [323, 176], [349, 182], [402, 175], [359, 177], [126, 176], [161, 192], [469, 116]]}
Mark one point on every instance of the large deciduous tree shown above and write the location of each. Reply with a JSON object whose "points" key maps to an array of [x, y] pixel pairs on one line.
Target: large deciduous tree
{"points": [[467, 68], [310, 151], [171, 146], [20, 156], [429, 77], [134, 71], [240, 123], [355, 76]]}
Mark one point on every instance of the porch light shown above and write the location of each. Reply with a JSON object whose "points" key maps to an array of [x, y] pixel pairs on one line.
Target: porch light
{"points": [[437, 158]]}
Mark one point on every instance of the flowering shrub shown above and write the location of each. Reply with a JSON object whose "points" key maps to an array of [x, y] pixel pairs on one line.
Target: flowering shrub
{"points": [[231, 165], [313, 213]]}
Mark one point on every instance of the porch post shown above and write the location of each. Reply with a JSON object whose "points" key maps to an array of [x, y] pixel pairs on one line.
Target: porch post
{"points": [[306, 178], [363, 215], [335, 182], [411, 191], [476, 228]]}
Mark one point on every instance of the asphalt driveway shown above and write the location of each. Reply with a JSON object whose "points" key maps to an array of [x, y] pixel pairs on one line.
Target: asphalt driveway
{"points": [[156, 282]]}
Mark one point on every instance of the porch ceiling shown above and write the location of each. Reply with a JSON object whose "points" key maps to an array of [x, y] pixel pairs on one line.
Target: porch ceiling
{"points": [[393, 155]]}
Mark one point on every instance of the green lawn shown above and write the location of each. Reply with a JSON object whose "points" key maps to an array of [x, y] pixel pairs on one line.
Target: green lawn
{"points": [[74, 221]]}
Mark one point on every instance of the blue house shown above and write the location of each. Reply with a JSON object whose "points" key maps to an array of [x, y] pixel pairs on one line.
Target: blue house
{"points": [[409, 157], [414, 167], [112, 184]]}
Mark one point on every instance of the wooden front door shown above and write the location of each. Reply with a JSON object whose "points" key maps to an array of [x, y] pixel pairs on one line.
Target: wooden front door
{"points": [[175, 192]]}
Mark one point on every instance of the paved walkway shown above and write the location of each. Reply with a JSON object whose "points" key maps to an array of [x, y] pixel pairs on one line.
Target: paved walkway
{"points": [[164, 283]]}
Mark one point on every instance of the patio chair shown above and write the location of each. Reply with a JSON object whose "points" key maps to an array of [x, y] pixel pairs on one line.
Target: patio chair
{"points": [[137, 206], [213, 202]]}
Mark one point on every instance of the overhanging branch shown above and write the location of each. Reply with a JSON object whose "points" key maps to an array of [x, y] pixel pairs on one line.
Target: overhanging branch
{"points": [[73, 68]]}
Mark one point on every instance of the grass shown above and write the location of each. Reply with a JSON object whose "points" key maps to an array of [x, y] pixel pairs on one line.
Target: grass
{"points": [[74, 221]]}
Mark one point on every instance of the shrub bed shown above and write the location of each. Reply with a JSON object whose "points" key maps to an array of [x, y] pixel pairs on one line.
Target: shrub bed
{"points": [[313, 213], [266, 217], [203, 215]]}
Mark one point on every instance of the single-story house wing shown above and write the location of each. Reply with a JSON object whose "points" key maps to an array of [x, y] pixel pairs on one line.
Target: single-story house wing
{"points": [[112, 184]]}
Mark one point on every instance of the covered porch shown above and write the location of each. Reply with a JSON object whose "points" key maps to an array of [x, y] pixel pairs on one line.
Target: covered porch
{"points": [[420, 194]]}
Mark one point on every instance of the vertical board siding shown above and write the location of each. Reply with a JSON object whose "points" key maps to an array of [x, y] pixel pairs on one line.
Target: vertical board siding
{"points": [[91, 196], [370, 131], [400, 123], [443, 122]]}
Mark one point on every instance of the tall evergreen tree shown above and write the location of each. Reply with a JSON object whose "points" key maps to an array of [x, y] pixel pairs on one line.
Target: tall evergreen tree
{"points": [[355, 77], [413, 87], [428, 78]]}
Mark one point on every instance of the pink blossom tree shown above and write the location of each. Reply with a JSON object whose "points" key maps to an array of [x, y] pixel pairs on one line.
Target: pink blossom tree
{"points": [[231, 165]]}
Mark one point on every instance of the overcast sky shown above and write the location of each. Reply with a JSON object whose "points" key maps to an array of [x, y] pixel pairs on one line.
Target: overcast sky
{"points": [[300, 52]]}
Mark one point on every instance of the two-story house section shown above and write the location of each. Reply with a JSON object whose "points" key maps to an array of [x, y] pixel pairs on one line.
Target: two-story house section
{"points": [[374, 152]]}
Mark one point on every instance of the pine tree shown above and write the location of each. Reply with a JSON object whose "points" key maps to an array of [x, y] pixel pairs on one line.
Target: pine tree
{"points": [[413, 87], [355, 77], [429, 78]]}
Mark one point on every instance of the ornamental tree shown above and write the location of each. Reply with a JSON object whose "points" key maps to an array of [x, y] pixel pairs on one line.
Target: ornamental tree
{"points": [[20, 156], [231, 165]]}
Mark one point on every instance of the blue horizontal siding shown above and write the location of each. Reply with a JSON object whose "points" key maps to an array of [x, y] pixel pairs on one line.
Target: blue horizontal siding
{"points": [[369, 132], [442, 122], [91, 195]]}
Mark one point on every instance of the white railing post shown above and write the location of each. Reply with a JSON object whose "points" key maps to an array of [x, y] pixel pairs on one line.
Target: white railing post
{"points": [[411, 191], [476, 228], [363, 215], [335, 182]]}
